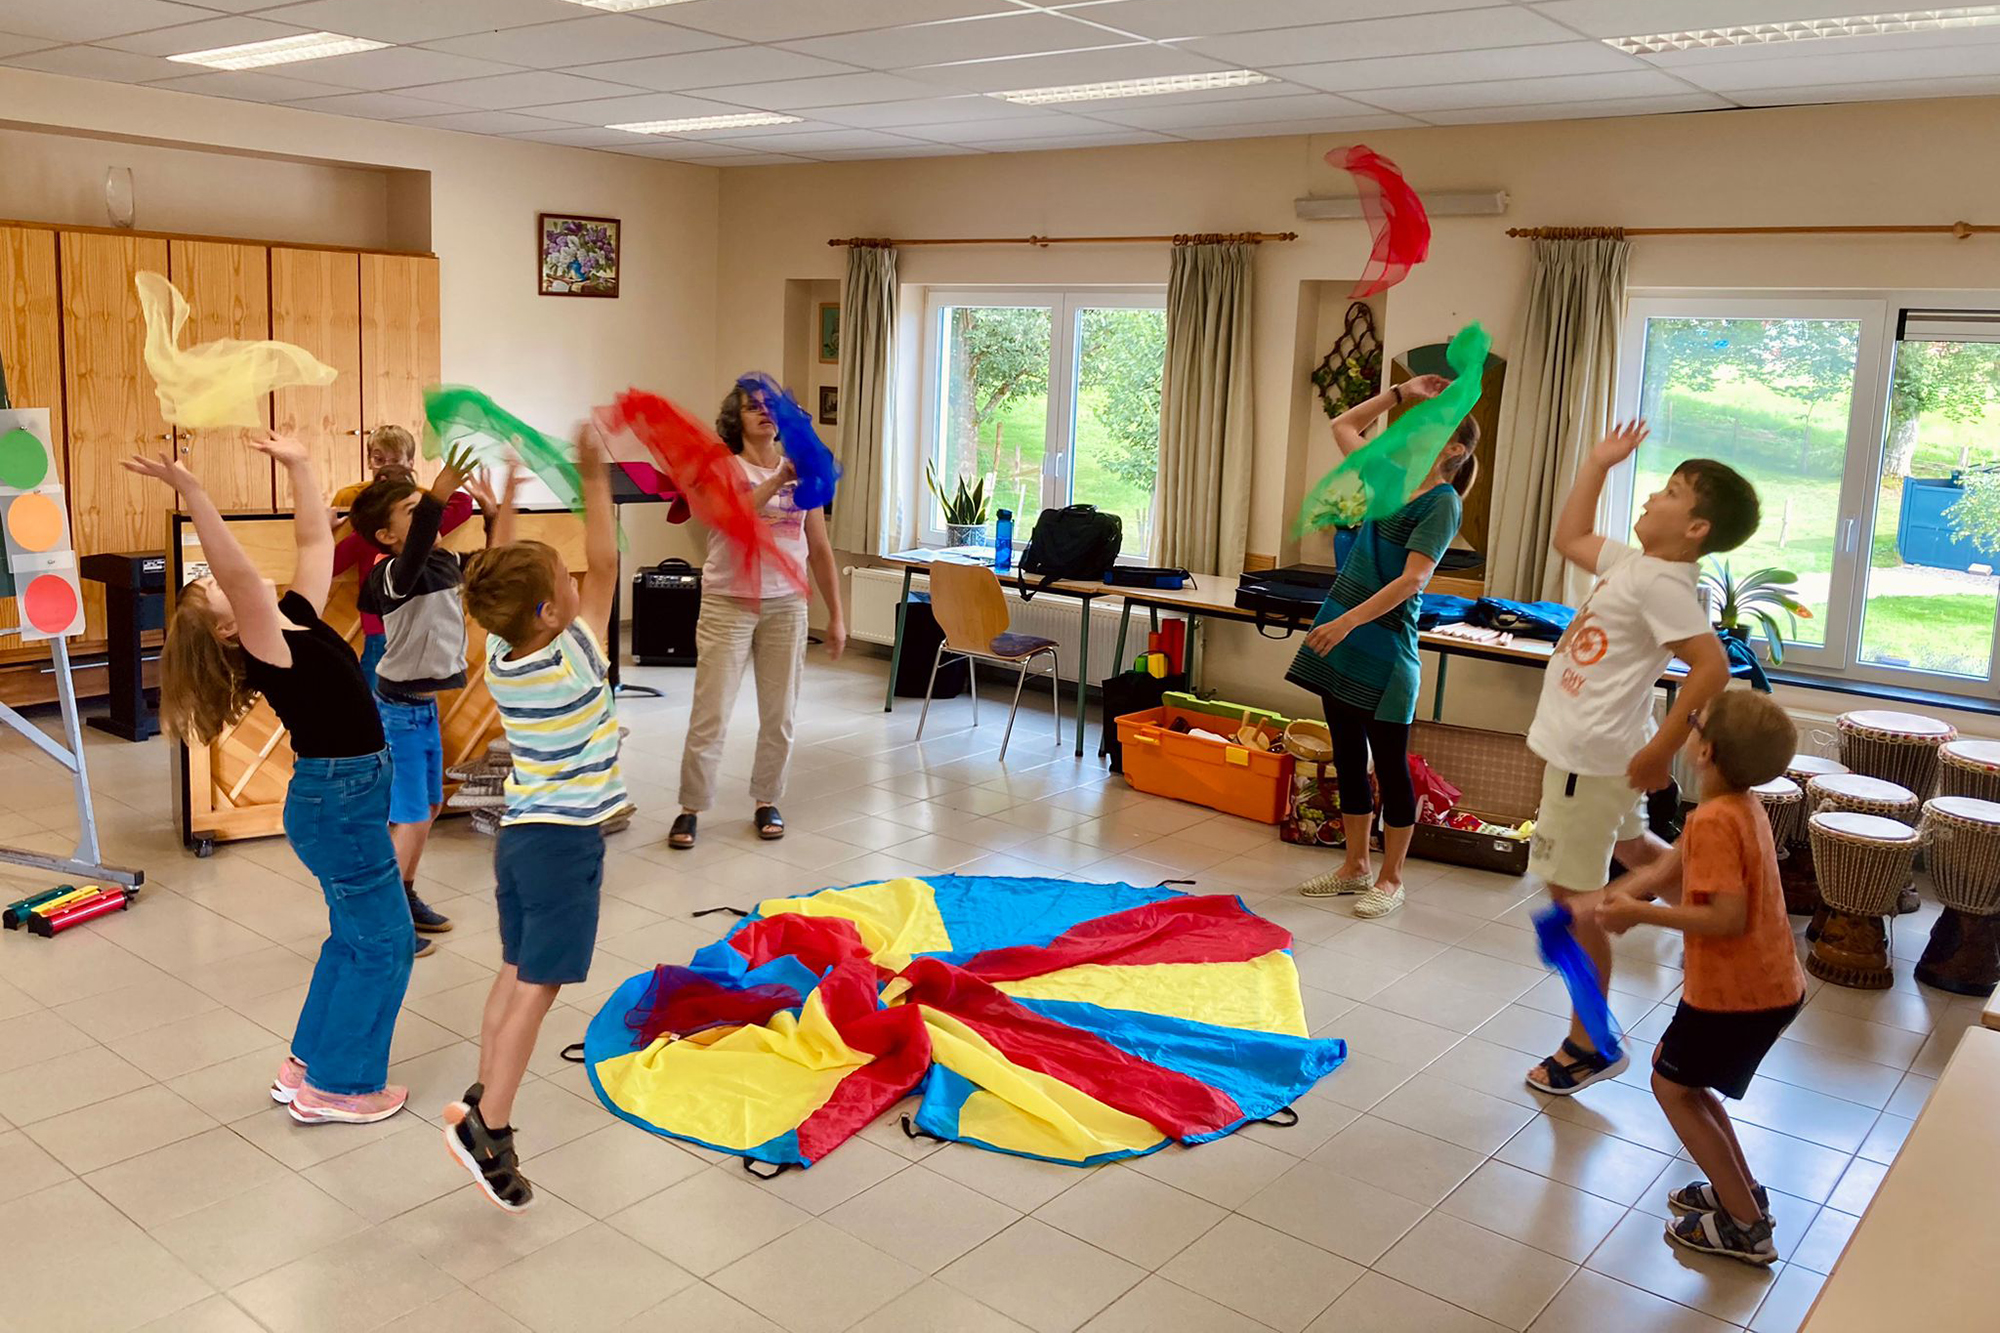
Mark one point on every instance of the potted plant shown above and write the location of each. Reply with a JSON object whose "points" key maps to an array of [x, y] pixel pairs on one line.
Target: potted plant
{"points": [[1753, 601], [964, 508]]}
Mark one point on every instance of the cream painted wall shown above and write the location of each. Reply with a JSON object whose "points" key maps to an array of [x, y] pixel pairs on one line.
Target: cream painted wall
{"points": [[1867, 163], [546, 358]]}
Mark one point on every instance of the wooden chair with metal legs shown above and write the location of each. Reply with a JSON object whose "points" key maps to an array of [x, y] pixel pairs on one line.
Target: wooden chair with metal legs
{"points": [[972, 611]]}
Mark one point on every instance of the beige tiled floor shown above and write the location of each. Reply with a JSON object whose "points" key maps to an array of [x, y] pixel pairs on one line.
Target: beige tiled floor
{"points": [[146, 1180]]}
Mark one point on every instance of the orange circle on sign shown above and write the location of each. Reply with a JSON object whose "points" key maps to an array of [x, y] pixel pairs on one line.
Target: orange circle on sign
{"points": [[1589, 646], [49, 603], [35, 522]]}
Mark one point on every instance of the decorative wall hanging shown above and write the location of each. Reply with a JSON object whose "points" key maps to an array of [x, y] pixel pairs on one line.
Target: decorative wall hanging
{"points": [[578, 255], [1352, 372]]}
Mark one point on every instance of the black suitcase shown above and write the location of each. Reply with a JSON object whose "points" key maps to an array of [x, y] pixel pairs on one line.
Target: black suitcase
{"points": [[1288, 597], [666, 604], [921, 637]]}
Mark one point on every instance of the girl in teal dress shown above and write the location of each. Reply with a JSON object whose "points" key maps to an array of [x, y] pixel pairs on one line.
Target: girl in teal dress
{"points": [[1361, 656]]}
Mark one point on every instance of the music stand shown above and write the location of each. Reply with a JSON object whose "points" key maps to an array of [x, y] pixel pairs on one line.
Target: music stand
{"points": [[625, 491]]}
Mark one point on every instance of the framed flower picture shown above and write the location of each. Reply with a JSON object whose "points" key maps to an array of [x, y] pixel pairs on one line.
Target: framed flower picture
{"points": [[578, 255]]}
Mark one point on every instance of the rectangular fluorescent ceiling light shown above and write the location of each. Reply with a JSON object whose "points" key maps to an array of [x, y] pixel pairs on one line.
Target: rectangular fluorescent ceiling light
{"points": [[1104, 92], [620, 6], [279, 51], [696, 124], [1807, 30]]}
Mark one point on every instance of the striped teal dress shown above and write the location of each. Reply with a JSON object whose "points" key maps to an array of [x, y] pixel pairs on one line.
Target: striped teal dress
{"points": [[1375, 668]]}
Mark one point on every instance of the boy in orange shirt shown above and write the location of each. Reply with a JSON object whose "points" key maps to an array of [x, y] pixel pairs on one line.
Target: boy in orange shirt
{"points": [[1744, 985]]}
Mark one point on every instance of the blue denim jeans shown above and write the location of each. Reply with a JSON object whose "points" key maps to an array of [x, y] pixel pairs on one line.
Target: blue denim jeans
{"points": [[372, 648], [416, 759], [337, 819]]}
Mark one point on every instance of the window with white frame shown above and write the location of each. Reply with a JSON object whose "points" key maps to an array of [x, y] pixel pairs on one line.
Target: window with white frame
{"points": [[1049, 397], [1870, 426]]}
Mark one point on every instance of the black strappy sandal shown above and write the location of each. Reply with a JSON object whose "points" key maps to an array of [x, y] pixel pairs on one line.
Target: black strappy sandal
{"points": [[489, 1157], [1573, 1069], [681, 836], [769, 823]]}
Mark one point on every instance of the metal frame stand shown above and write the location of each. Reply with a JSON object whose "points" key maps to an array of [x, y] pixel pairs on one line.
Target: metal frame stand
{"points": [[84, 863]]}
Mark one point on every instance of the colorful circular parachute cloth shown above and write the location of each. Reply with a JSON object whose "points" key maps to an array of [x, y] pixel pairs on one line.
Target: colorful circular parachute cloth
{"points": [[1076, 1023]]}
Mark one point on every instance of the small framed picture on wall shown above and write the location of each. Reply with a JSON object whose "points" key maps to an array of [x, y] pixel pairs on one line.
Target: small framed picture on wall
{"points": [[829, 405], [578, 256], [829, 332]]}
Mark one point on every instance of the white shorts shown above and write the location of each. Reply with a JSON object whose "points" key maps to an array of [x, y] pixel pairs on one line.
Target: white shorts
{"points": [[1581, 821]]}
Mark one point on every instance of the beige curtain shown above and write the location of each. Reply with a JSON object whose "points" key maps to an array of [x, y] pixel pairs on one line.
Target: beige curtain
{"points": [[867, 398], [1560, 385], [1202, 499]]}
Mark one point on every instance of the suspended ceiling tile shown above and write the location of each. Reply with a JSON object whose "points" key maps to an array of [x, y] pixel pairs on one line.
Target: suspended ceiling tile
{"points": [[787, 20], [1466, 30], [375, 106], [485, 122], [504, 92], [1268, 129], [204, 36], [1526, 92], [1185, 116], [1057, 143], [833, 90], [1512, 62], [1048, 124], [673, 148], [1889, 45], [1620, 106], [247, 85], [1206, 18], [88, 20], [925, 111], [1888, 90], [1631, 18], [883, 154], [638, 107], [580, 41], [820, 141], [580, 136], [417, 20], [1141, 61], [1966, 60], [714, 69], [757, 160], [97, 62], [1016, 34], [13, 44]]}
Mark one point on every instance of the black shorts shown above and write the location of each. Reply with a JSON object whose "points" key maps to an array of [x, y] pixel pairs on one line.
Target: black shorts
{"points": [[1708, 1048]]}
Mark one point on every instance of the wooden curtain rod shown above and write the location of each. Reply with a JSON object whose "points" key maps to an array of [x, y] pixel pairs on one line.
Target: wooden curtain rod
{"points": [[1960, 230], [1186, 238]]}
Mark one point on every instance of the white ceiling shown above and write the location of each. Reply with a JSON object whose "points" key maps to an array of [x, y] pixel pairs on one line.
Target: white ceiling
{"points": [[905, 78]]}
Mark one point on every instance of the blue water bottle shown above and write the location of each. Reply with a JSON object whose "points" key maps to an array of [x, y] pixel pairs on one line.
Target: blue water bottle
{"points": [[1003, 541]]}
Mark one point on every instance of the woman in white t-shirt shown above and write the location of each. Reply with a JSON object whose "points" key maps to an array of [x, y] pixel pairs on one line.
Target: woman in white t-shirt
{"points": [[754, 618]]}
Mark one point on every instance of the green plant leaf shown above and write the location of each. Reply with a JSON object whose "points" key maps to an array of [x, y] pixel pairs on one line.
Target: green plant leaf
{"points": [[1773, 636]]}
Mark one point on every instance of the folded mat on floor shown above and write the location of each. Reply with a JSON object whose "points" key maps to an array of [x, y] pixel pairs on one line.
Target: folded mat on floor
{"points": [[1076, 1023]]}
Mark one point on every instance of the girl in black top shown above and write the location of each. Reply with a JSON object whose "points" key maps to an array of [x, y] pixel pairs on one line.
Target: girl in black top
{"points": [[231, 638]]}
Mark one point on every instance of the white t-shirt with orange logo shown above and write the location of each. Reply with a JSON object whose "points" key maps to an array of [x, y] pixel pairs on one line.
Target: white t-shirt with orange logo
{"points": [[724, 573], [1596, 709]]}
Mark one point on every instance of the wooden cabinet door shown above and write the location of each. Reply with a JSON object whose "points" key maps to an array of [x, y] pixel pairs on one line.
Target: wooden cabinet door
{"points": [[316, 303], [399, 342], [228, 291], [30, 358], [108, 399]]}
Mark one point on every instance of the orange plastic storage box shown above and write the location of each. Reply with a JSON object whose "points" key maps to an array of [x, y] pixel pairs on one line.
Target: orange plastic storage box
{"points": [[1235, 779]]}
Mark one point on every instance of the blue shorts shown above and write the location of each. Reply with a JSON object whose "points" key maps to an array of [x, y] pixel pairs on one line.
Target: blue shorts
{"points": [[416, 758], [550, 881]]}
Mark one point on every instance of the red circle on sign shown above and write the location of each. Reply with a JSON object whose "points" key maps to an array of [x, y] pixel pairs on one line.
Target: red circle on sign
{"points": [[49, 604]]}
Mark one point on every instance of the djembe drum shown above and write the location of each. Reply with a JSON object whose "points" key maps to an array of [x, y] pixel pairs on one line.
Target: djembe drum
{"points": [[1969, 768], [1863, 862], [1785, 805], [1962, 839], [1861, 795], [1795, 869], [1897, 747]]}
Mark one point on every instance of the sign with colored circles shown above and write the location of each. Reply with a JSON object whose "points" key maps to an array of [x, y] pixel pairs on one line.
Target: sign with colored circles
{"points": [[40, 571]]}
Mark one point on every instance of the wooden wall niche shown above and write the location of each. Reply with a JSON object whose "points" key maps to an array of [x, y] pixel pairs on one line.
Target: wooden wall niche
{"points": [[235, 787]]}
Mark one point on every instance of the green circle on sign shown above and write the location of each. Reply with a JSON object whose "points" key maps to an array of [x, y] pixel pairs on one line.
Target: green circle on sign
{"points": [[23, 461]]}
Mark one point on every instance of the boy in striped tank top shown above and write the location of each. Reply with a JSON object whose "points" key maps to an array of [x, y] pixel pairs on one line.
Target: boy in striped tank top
{"points": [[548, 673]]}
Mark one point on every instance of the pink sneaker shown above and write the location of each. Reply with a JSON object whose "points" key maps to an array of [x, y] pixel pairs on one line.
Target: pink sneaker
{"points": [[291, 1077], [310, 1106]]}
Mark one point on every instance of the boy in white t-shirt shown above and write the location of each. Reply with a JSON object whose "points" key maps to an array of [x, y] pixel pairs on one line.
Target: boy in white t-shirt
{"points": [[1594, 726]]}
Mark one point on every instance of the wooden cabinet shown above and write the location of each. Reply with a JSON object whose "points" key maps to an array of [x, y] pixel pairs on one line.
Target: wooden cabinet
{"points": [[31, 360], [228, 291], [109, 404], [399, 341], [316, 303]]}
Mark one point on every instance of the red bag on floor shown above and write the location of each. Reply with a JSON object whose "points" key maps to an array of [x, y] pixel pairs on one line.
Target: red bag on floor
{"points": [[1435, 796]]}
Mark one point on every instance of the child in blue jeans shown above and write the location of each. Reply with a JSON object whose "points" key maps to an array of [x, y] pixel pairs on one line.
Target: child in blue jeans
{"points": [[232, 637]]}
